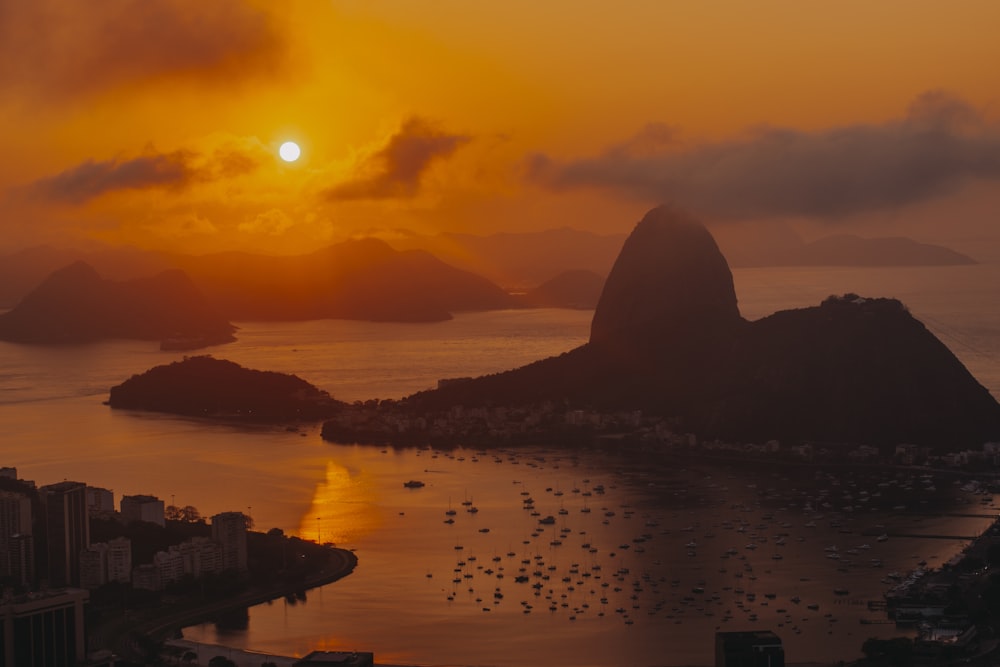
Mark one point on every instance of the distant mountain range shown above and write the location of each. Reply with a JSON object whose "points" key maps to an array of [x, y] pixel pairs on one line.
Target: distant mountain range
{"points": [[417, 278], [667, 338], [524, 260], [361, 280], [188, 305]]}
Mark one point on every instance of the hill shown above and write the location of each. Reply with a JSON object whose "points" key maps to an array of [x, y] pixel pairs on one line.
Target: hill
{"points": [[570, 289], [76, 305], [359, 280], [206, 387]]}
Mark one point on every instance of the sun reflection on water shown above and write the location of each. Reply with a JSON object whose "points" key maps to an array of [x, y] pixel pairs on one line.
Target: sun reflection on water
{"points": [[343, 508]]}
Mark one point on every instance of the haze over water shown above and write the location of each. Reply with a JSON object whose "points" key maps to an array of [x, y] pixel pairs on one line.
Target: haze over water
{"points": [[55, 428]]}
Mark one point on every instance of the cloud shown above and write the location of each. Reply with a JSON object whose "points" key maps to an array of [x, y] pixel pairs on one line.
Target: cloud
{"points": [[940, 145], [66, 49], [175, 170], [396, 170], [92, 179]]}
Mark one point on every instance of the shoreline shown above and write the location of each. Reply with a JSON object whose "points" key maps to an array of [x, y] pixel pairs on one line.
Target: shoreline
{"points": [[161, 622]]}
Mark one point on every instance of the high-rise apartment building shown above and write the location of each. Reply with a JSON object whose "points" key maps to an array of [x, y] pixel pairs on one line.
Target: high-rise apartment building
{"points": [[142, 508], [67, 530], [16, 542], [230, 530]]}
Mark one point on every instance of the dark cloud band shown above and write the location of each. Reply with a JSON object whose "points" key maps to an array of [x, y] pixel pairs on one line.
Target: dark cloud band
{"points": [[939, 146], [396, 170]]}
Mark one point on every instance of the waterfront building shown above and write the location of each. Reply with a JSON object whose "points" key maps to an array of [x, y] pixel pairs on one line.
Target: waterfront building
{"points": [[100, 501], [749, 649], [43, 629], [142, 508], [67, 530], [170, 565], [16, 541], [120, 560], [7, 472], [229, 529]]}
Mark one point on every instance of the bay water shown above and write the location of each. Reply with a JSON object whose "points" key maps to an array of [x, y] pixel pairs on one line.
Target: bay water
{"points": [[640, 566]]}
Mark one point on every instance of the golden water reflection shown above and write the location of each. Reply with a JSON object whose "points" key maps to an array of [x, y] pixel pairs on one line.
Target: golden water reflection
{"points": [[344, 507]]}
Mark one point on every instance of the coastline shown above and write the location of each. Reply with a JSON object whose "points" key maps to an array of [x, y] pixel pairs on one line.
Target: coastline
{"points": [[157, 624]]}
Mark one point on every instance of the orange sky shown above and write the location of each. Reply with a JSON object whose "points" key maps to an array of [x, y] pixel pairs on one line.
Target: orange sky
{"points": [[157, 122]]}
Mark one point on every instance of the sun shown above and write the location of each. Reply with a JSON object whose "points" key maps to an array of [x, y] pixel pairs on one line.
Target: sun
{"points": [[289, 151]]}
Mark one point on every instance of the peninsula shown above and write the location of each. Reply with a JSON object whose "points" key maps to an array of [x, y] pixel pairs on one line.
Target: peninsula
{"points": [[668, 341]]}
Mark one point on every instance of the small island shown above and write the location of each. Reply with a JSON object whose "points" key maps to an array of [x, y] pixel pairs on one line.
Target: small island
{"points": [[202, 386]]}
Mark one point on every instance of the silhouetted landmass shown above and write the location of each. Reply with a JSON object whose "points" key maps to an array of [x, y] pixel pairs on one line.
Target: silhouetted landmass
{"points": [[359, 280], [571, 289], [206, 387], [667, 339], [75, 305], [520, 259], [850, 250], [775, 244], [26, 269]]}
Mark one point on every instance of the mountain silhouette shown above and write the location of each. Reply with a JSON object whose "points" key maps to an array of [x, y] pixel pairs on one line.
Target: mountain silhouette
{"points": [[667, 338], [362, 279], [76, 305]]}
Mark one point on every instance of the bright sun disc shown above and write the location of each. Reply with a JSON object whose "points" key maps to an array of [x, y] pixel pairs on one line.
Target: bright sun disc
{"points": [[289, 151]]}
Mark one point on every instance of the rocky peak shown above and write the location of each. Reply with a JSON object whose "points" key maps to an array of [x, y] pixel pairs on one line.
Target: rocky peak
{"points": [[669, 280]]}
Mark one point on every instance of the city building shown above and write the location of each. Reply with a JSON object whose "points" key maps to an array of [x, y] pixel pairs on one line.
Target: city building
{"points": [[43, 629], [229, 529], [94, 566], [7, 472], [100, 501], [749, 649], [120, 560], [16, 542], [201, 556], [169, 565], [142, 508], [67, 530]]}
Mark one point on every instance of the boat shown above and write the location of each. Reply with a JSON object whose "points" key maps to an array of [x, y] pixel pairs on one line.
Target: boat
{"points": [[413, 484], [548, 521]]}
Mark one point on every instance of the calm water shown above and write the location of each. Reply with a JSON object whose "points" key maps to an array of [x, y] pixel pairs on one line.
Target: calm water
{"points": [[403, 601]]}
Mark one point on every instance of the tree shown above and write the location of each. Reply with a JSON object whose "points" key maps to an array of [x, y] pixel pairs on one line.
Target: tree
{"points": [[190, 514], [221, 661]]}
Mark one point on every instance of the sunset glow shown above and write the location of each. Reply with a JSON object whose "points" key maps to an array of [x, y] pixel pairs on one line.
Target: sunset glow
{"points": [[506, 117]]}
